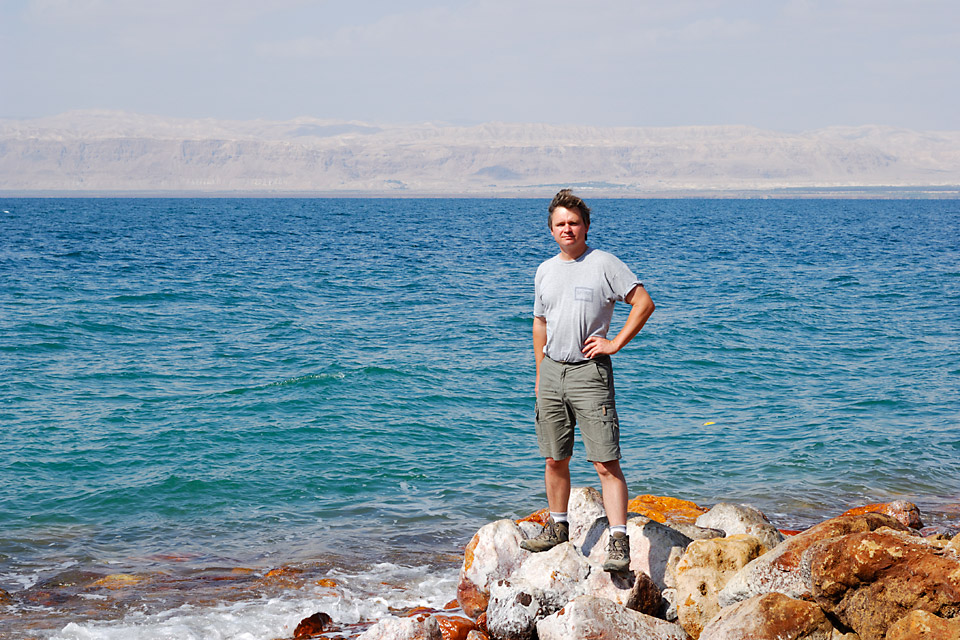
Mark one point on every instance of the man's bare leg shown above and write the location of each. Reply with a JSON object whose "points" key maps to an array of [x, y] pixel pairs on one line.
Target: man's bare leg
{"points": [[557, 480], [614, 489]]}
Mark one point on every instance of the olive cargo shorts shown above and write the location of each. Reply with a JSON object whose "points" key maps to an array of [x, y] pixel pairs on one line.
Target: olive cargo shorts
{"points": [[577, 394]]}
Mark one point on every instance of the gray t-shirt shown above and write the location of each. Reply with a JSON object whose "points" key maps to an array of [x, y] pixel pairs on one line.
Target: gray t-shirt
{"points": [[576, 297]]}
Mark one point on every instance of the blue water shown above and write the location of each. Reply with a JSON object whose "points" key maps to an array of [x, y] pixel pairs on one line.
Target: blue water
{"points": [[266, 381]]}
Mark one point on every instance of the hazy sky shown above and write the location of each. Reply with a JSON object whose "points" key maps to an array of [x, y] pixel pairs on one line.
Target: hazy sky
{"points": [[786, 65]]}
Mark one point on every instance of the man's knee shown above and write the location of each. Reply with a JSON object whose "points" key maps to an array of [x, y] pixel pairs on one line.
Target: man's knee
{"points": [[558, 466], [608, 469]]}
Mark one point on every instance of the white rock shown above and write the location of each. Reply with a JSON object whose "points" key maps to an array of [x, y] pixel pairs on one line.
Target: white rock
{"points": [[514, 610], [600, 619], [403, 629], [735, 518], [651, 546], [493, 554], [583, 509], [559, 573]]}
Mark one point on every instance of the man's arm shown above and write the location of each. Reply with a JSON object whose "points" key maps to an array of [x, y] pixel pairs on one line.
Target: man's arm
{"points": [[641, 309], [539, 342]]}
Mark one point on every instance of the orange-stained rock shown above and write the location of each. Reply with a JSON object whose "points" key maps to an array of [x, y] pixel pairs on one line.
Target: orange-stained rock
{"points": [[327, 582], [540, 517], [868, 581], [923, 625], [905, 512], [783, 569], [455, 627], [312, 626], [665, 509], [5, 598], [118, 581], [453, 604], [772, 615], [283, 572], [476, 634], [493, 554]]}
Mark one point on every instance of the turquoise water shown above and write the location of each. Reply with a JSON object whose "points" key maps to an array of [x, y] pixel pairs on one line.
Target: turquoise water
{"points": [[257, 382]]}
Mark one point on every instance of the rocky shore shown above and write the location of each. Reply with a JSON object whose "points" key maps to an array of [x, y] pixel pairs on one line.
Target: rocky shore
{"points": [[724, 573]]}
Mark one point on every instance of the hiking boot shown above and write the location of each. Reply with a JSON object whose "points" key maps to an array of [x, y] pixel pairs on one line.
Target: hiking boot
{"points": [[618, 553], [553, 534]]}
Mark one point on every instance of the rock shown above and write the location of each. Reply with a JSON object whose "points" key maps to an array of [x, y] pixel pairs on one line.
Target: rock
{"points": [[734, 518], [514, 609], [418, 628], [905, 512], [476, 634], [633, 590], [599, 619], [493, 554], [870, 580], [786, 568], [770, 616], [559, 574], [312, 626], [945, 531], [651, 544], [665, 510], [455, 627], [702, 572], [923, 625], [583, 509], [694, 532], [5, 598]]}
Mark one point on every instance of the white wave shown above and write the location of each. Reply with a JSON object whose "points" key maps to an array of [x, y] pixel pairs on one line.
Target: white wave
{"points": [[357, 597]]}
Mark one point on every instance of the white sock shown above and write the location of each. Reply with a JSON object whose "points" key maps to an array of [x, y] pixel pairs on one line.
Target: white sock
{"points": [[562, 517], [622, 528]]}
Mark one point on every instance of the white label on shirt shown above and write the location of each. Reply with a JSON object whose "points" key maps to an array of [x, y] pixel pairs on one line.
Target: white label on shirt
{"points": [[583, 294]]}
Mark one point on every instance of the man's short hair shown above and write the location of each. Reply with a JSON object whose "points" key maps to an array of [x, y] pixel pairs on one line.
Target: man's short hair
{"points": [[567, 200]]}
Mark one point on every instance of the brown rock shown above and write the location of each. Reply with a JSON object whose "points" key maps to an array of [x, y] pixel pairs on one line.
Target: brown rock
{"points": [[702, 572], [770, 616], [455, 627], [5, 598], [922, 625], [784, 570], [312, 626], [868, 581], [905, 512], [664, 509]]}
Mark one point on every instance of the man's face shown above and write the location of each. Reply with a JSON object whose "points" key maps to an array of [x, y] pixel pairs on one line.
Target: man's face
{"points": [[569, 231]]}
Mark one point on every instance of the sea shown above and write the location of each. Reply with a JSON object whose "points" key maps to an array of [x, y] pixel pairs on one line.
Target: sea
{"points": [[220, 416]]}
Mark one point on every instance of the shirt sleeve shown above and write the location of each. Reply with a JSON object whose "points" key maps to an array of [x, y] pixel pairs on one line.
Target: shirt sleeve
{"points": [[621, 279]]}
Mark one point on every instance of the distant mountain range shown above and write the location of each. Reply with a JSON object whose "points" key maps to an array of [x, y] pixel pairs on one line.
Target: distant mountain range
{"points": [[100, 151]]}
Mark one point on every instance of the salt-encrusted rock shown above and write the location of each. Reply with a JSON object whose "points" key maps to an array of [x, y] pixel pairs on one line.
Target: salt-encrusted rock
{"points": [[736, 518], [922, 625], [651, 544], [634, 590], [514, 609], [600, 619], [772, 615], [868, 581], [419, 628], [583, 509], [476, 634], [905, 512], [493, 554], [665, 510], [702, 572], [786, 568], [559, 574], [669, 604]]}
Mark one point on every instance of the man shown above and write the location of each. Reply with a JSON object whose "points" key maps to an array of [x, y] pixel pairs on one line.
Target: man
{"points": [[575, 294]]}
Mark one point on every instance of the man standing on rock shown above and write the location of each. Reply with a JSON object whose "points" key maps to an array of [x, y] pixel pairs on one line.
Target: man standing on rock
{"points": [[575, 294]]}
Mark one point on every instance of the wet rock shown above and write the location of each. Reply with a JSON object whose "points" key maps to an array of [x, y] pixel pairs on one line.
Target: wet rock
{"points": [[651, 545], [5, 598], [476, 634], [664, 509], [704, 569], [600, 619], [786, 568], [312, 626], [733, 519], [772, 615], [923, 625], [455, 627], [905, 512], [945, 531], [493, 554], [418, 628], [868, 581]]}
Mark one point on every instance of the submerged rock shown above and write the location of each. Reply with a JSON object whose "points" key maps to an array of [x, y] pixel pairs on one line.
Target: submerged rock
{"points": [[772, 615], [312, 626], [870, 580], [419, 628], [599, 619]]}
